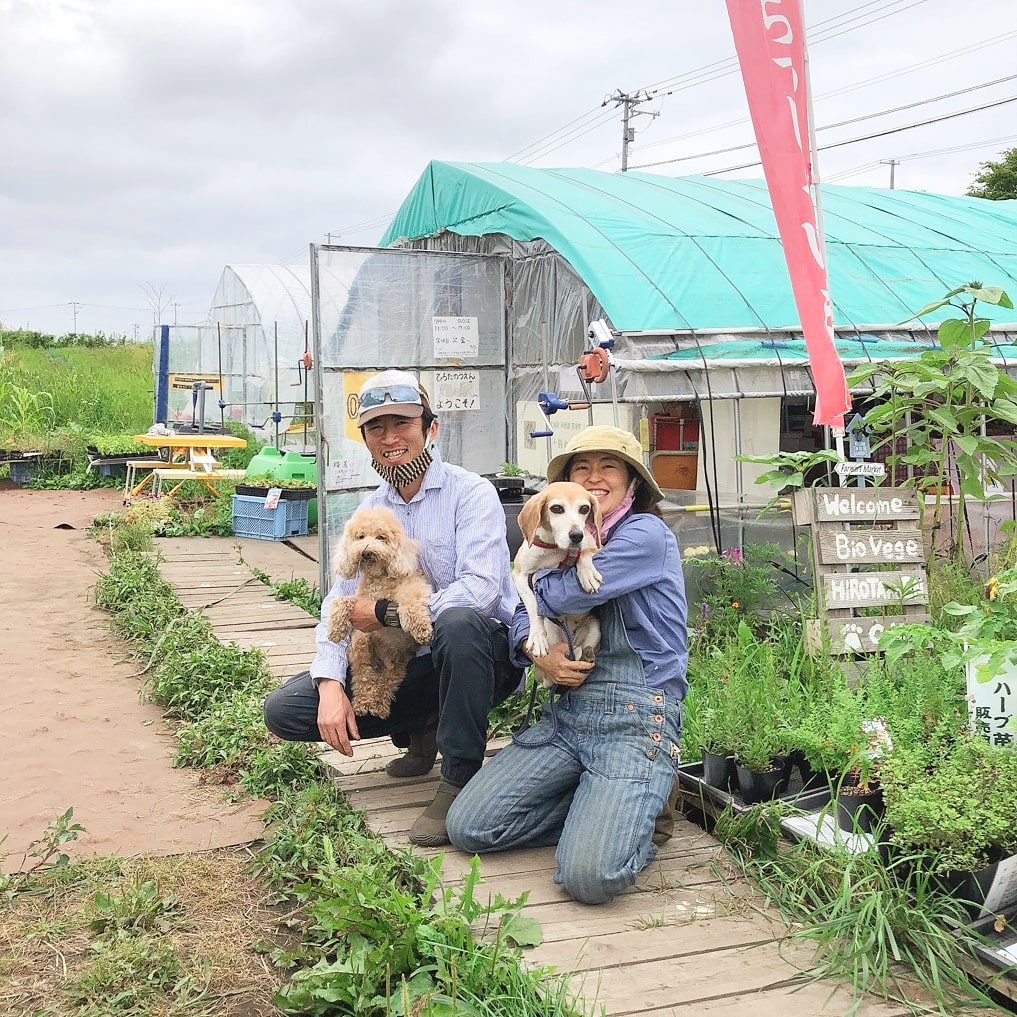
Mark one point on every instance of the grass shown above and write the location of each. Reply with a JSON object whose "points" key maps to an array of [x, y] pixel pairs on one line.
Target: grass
{"points": [[144, 935], [107, 390], [876, 926], [325, 919]]}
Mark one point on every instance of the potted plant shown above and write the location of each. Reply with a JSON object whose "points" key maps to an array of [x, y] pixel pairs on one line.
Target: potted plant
{"points": [[509, 481], [290, 488], [952, 801], [708, 702], [757, 729]]}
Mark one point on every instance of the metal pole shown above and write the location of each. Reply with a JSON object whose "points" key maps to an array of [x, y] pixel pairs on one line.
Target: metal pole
{"points": [[275, 416]]}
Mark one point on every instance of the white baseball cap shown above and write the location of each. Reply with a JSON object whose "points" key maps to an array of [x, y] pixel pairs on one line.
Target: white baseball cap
{"points": [[396, 392]]}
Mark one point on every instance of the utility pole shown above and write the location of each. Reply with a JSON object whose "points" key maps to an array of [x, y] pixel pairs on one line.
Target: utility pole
{"points": [[328, 237], [891, 163], [136, 331], [628, 104], [74, 312], [175, 306]]}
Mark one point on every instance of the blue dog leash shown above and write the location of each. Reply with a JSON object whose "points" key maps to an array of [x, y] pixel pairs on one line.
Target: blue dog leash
{"points": [[555, 694]]}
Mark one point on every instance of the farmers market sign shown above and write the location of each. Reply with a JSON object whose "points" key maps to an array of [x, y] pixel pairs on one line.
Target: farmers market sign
{"points": [[868, 559]]}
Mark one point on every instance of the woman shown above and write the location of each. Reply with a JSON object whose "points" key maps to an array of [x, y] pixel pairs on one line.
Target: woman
{"points": [[595, 772]]}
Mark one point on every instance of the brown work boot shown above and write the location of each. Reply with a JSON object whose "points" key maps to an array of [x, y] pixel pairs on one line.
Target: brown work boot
{"points": [[419, 757], [429, 828], [663, 828]]}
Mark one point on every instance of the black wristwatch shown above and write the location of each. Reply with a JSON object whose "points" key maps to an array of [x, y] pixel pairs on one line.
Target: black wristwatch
{"points": [[387, 612]]}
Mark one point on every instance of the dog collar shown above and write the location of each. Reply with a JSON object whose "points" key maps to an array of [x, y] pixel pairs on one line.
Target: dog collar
{"points": [[570, 559]]}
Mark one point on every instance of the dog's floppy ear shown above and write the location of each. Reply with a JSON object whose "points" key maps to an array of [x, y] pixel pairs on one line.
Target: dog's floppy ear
{"points": [[345, 563], [530, 514], [597, 520], [404, 558]]}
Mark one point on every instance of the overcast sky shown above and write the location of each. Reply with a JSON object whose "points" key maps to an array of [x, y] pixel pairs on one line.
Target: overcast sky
{"points": [[146, 144]]}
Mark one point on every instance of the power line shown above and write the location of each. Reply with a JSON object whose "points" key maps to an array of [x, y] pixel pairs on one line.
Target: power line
{"points": [[841, 123], [878, 79], [970, 146], [879, 134], [835, 26]]}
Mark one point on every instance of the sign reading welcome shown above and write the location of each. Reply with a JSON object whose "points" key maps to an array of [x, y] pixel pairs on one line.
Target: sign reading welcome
{"points": [[869, 558]]}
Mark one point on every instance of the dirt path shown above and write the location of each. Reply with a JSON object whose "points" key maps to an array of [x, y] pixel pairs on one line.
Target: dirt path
{"points": [[72, 729]]}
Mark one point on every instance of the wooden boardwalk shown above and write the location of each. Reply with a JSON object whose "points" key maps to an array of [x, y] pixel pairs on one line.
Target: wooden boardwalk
{"points": [[691, 937]]}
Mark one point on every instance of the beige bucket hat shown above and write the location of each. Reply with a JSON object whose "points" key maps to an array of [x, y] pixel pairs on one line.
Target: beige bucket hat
{"points": [[614, 441]]}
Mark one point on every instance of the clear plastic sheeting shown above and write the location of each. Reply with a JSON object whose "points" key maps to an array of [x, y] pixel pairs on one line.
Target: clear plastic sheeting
{"points": [[259, 327], [439, 316]]}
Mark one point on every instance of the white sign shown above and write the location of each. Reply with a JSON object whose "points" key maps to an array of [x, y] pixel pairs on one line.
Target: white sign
{"points": [[456, 390], [860, 470], [344, 474], [455, 338], [992, 703]]}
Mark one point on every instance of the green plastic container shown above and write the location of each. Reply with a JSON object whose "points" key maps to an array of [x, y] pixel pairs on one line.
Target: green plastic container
{"points": [[270, 462]]}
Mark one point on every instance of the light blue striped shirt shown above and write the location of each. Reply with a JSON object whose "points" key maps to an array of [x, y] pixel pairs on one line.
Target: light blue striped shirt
{"points": [[460, 523]]}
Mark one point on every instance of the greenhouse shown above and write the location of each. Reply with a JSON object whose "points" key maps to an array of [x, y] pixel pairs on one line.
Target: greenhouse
{"points": [[253, 352], [493, 273]]}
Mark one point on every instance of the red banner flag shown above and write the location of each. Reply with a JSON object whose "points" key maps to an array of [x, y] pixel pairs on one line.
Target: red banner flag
{"points": [[769, 38]]}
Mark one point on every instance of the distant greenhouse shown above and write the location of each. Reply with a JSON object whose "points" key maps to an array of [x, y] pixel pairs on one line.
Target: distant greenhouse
{"points": [[254, 341]]}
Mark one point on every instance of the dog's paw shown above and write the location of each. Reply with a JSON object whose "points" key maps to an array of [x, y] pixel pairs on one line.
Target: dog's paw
{"points": [[537, 645], [339, 619], [589, 578], [417, 624]]}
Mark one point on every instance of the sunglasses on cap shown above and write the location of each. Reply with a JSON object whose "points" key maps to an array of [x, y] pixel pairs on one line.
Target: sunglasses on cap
{"points": [[392, 394]]}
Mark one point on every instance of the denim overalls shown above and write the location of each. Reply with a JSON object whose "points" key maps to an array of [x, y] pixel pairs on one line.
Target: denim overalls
{"points": [[591, 777]]}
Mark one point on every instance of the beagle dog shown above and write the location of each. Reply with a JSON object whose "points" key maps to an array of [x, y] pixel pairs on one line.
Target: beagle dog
{"points": [[561, 529]]}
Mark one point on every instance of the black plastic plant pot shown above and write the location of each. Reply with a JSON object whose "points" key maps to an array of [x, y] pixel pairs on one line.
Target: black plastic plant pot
{"points": [[859, 810], [286, 493], [719, 771], [757, 786]]}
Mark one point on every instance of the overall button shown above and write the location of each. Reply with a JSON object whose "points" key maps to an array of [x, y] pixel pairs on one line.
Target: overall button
{"points": [[658, 699], [630, 707], [655, 736], [651, 754], [659, 718]]}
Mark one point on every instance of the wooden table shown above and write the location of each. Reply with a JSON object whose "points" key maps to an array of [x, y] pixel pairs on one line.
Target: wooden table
{"points": [[188, 452]]}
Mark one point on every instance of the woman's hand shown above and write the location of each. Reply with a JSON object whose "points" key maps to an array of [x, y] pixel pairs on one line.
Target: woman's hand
{"points": [[563, 671]]}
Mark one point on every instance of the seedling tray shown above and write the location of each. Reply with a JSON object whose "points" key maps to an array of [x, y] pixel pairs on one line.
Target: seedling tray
{"points": [[712, 801]]}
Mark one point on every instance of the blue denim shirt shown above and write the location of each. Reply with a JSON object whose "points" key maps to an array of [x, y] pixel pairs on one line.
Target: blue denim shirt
{"points": [[642, 569]]}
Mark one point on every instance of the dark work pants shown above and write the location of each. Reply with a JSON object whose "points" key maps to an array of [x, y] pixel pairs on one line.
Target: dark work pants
{"points": [[466, 673]]}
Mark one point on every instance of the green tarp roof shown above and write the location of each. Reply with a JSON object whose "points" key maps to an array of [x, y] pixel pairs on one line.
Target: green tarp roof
{"points": [[663, 253]]}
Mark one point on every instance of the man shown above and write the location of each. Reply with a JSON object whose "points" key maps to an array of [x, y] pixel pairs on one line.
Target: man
{"points": [[451, 685]]}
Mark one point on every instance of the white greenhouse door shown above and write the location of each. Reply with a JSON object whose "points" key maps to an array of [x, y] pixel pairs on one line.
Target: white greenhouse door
{"points": [[438, 315]]}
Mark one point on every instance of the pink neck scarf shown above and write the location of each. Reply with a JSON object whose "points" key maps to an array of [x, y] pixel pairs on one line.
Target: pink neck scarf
{"points": [[619, 510]]}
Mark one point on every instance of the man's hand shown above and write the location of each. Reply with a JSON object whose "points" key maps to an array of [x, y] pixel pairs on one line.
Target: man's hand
{"points": [[556, 663], [337, 723], [363, 617]]}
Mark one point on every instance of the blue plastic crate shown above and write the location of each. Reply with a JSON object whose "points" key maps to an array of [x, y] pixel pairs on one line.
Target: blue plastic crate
{"points": [[22, 470], [252, 519]]}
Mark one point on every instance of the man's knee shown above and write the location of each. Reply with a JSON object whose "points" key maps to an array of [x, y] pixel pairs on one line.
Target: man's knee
{"points": [[457, 626], [275, 714], [290, 709]]}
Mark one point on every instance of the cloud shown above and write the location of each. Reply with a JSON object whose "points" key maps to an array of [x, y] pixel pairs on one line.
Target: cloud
{"points": [[157, 141]]}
